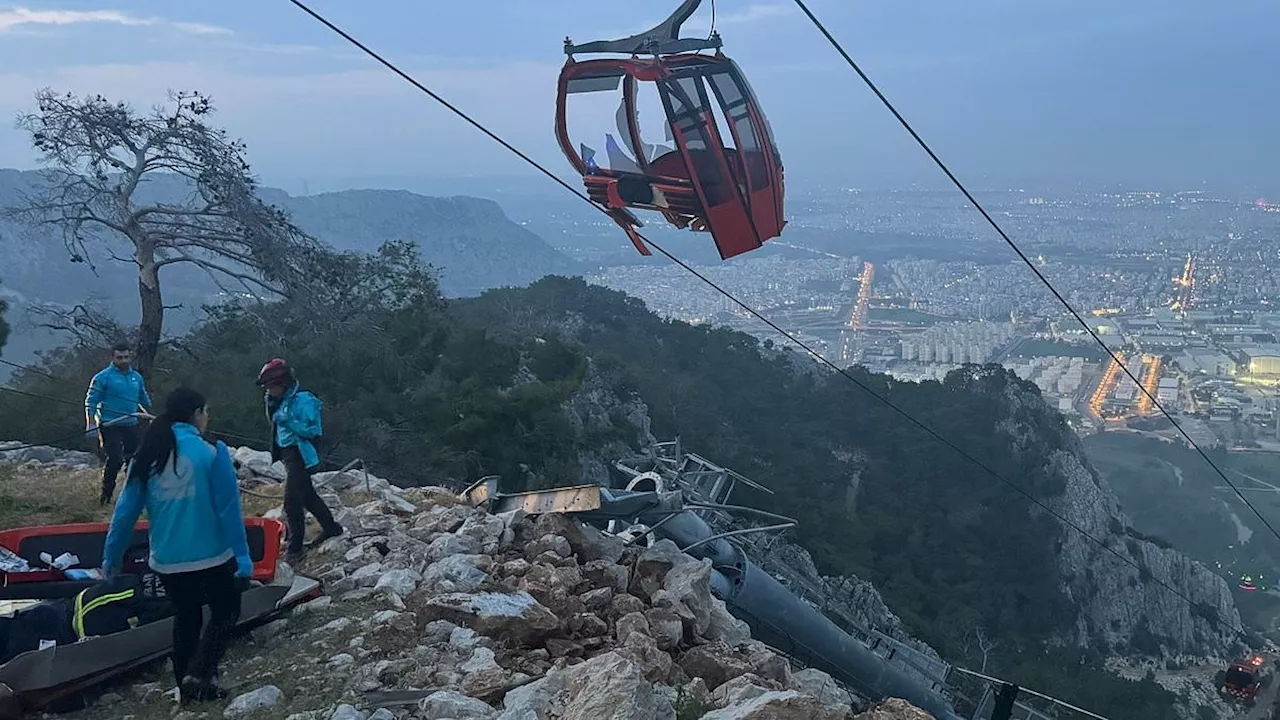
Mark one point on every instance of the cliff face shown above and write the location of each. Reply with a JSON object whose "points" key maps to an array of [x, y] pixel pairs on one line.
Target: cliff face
{"points": [[608, 426], [1121, 605]]}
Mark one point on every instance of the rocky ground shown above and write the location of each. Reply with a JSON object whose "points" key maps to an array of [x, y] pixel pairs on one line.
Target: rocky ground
{"points": [[436, 610]]}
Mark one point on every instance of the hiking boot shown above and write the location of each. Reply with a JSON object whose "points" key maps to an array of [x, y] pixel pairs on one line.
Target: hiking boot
{"points": [[196, 690], [333, 532], [295, 557], [105, 498]]}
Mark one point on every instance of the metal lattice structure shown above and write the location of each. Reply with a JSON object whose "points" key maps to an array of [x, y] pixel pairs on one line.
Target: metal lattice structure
{"points": [[667, 466]]}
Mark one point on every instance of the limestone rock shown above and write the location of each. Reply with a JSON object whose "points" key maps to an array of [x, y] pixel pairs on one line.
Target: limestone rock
{"points": [[654, 564], [715, 663], [894, 709], [739, 690], [779, 705], [811, 681], [606, 687], [510, 615], [454, 706], [723, 626], [264, 697], [398, 582], [630, 623], [690, 586], [464, 573]]}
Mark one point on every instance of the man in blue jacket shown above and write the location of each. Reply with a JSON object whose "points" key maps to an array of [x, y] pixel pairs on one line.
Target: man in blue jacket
{"points": [[294, 415], [111, 405]]}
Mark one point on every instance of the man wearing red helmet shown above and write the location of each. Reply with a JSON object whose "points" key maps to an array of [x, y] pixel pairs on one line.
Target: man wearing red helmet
{"points": [[294, 415]]}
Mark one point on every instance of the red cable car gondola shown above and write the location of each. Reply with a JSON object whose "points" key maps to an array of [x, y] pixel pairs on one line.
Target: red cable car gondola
{"points": [[726, 180]]}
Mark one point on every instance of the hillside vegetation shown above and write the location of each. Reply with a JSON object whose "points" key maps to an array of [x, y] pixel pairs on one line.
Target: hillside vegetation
{"points": [[544, 385]]}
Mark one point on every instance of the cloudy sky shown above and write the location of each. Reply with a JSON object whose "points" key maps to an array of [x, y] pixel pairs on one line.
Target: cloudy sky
{"points": [[1158, 92]]}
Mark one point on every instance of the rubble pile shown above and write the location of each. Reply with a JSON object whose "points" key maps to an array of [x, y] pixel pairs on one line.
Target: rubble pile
{"points": [[531, 618]]}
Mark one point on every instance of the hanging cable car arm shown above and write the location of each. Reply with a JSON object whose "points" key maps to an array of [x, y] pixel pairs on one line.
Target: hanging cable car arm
{"points": [[662, 40]]}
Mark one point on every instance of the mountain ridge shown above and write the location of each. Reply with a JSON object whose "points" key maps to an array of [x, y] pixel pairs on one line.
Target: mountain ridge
{"points": [[471, 242]]}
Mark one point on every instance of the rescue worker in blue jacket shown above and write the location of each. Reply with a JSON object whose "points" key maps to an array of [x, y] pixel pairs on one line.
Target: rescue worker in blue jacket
{"points": [[110, 406], [197, 538], [294, 415]]}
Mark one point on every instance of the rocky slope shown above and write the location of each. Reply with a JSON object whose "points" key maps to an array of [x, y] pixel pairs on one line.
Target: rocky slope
{"points": [[473, 615]]}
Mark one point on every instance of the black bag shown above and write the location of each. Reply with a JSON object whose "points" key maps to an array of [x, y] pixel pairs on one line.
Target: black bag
{"points": [[46, 621], [121, 603]]}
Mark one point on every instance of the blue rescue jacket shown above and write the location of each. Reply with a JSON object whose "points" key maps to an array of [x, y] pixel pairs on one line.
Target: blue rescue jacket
{"points": [[114, 394], [193, 506], [295, 422]]}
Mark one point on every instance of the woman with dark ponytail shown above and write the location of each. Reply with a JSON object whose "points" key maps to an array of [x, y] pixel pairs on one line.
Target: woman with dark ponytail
{"points": [[197, 539]]}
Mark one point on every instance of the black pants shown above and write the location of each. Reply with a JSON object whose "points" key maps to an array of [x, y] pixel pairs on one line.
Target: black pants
{"points": [[195, 653], [117, 443], [300, 496]]}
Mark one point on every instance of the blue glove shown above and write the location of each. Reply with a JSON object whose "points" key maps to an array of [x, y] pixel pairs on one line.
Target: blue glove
{"points": [[244, 567]]}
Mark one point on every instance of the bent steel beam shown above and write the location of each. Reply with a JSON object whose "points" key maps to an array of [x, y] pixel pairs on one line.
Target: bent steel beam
{"points": [[662, 40]]}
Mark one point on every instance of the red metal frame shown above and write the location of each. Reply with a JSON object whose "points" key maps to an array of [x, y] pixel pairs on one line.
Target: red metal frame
{"points": [[1252, 666], [752, 212], [264, 569]]}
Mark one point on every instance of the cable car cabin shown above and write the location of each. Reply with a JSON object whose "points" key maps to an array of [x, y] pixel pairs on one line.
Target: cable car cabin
{"points": [[1243, 679], [721, 173]]}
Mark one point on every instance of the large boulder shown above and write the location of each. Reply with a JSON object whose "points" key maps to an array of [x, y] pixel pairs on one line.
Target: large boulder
{"points": [[811, 681], [457, 573], [606, 687], [689, 586], [716, 663], [894, 709], [653, 565], [586, 542], [454, 706], [723, 626], [780, 705]]}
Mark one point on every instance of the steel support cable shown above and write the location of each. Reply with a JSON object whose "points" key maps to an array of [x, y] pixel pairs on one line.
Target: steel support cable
{"points": [[752, 311], [1023, 257]]}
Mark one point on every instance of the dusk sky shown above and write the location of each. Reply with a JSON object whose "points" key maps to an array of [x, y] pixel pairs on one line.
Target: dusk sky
{"points": [[1172, 93]]}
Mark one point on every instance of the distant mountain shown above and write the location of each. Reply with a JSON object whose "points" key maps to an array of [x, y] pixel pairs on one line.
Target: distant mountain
{"points": [[471, 241], [473, 244]]}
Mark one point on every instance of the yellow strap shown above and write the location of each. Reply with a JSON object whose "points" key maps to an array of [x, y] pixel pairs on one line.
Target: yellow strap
{"points": [[77, 620], [77, 617]]}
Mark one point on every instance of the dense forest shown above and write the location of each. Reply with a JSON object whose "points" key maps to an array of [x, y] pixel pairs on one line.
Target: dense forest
{"points": [[445, 392]]}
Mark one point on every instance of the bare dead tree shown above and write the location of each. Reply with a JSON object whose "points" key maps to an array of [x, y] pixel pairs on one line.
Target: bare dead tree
{"points": [[178, 189], [89, 324], [985, 645]]}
